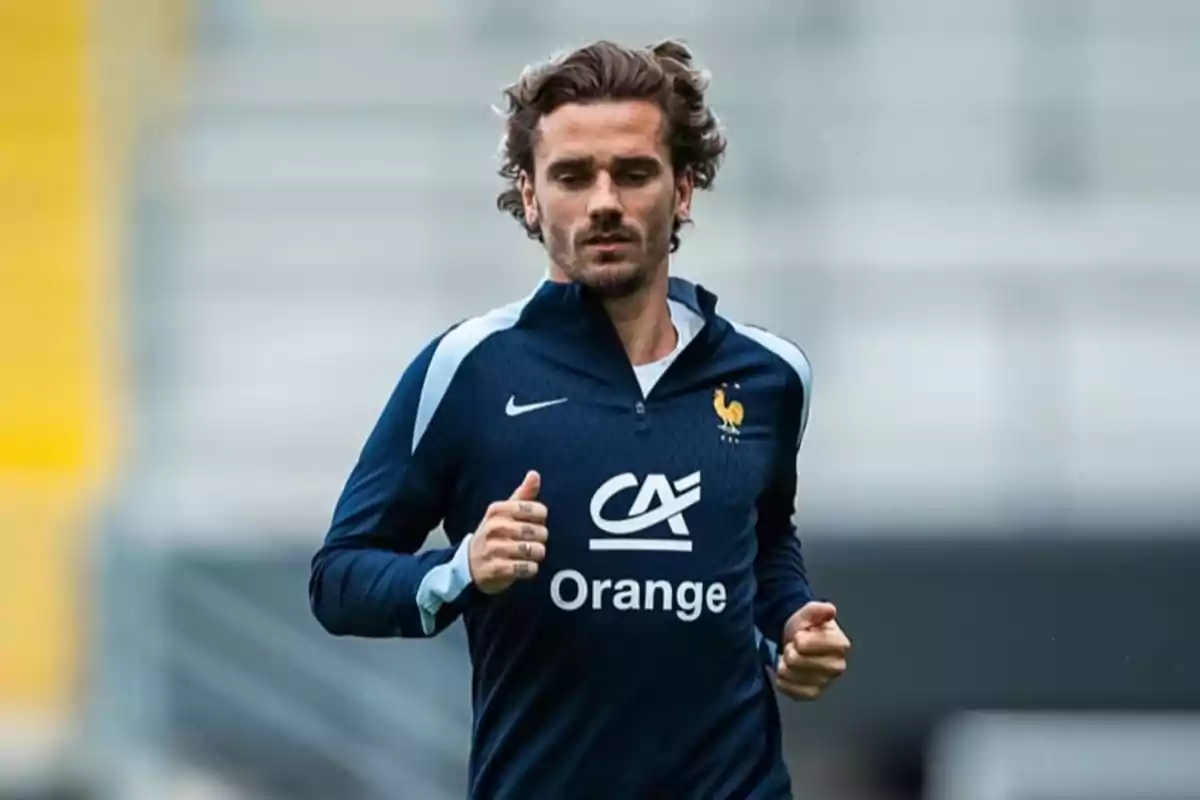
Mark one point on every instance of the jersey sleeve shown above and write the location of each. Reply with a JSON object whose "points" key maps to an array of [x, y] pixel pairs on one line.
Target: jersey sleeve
{"points": [[782, 579], [370, 577]]}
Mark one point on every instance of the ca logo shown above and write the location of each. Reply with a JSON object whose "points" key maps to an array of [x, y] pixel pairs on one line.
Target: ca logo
{"points": [[673, 499]]}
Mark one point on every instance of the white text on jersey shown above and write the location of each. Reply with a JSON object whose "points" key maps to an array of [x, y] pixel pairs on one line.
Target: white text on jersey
{"points": [[571, 591]]}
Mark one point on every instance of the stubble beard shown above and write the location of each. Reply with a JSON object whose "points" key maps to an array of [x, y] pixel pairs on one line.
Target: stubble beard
{"points": [[612, 278]]}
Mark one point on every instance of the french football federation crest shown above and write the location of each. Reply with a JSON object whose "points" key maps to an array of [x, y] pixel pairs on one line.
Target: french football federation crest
{"points": [[730, 412]]}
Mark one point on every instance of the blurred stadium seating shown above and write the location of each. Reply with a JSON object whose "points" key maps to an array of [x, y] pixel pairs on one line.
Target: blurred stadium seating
{"points": [[978, 217]]}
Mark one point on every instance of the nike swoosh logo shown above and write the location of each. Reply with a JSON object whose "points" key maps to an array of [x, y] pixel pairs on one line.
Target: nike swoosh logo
{"points": [[514, 410]]}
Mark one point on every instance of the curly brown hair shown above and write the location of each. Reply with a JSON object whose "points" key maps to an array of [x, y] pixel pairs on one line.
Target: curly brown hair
{"points": [[604, 70]]}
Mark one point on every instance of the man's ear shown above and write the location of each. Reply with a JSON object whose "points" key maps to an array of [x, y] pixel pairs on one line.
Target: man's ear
{"points": [[685, 185], [528, 200]]}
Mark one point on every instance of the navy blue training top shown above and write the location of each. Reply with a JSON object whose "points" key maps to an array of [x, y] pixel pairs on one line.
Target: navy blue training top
{"points": [[632, 665]]}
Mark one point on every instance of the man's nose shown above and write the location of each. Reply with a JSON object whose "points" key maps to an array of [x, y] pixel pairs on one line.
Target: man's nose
{"points": [[604, 201]]}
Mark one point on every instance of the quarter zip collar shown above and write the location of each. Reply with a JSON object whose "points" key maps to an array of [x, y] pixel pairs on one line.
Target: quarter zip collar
{"points": [[575, 321]]}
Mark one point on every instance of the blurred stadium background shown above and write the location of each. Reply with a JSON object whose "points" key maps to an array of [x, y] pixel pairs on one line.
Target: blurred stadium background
{"points": [[226, 226]]}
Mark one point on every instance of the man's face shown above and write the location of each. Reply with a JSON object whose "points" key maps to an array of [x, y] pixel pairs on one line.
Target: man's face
{"points": [[604, 194]]}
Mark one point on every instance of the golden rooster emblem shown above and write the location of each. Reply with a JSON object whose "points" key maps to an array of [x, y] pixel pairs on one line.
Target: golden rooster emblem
{"points": [[731, 414]]}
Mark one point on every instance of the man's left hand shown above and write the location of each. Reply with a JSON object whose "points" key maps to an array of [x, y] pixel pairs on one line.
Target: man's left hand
{"points": [[814, 652]]}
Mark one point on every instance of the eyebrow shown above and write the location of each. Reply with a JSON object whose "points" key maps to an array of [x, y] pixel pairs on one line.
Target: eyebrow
{"points": [[587, 163], [570, 165]]}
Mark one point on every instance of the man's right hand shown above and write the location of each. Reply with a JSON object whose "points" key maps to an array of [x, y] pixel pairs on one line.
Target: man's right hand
{"points": [[510, 542]]}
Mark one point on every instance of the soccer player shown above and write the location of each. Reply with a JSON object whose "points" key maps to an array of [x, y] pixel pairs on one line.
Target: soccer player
{"points": [[614, 463]]}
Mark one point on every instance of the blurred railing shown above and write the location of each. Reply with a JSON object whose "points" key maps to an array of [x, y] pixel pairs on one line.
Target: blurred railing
{"points": [[390, 758], [214, 663]]}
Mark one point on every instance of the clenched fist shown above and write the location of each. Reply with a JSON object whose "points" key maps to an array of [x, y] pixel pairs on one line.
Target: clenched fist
{"points": [[813, 654], [511, 540]]}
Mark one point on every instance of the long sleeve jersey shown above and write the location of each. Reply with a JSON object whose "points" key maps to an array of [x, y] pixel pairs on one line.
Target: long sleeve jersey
{"points": [[632, 665]]}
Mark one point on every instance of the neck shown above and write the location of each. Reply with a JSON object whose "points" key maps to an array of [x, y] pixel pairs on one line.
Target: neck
{"points": [[642, 320], [643, 323]]}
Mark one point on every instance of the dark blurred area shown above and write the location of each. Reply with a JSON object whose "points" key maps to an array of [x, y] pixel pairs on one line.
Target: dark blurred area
{"points": [[226, 226]]}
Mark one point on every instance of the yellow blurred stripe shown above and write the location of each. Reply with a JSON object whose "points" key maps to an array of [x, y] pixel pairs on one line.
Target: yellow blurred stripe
{"points": [[40, 170], [52, 393], [48, 354], [38, 657], [35, 92], [43, 40]]}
